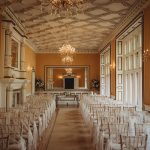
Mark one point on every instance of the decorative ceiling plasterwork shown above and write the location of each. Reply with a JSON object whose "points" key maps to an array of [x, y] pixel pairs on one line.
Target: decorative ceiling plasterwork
{"points": [[87, 32], [133, 12]]}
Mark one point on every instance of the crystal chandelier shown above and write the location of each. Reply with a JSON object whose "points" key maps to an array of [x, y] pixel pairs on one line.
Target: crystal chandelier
{"points": [[67, 59], [68, 70], [67, 49], [64, 7]]}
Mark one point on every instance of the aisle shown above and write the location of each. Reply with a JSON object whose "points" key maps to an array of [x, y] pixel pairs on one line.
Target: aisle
{"points": [[69, 132]]}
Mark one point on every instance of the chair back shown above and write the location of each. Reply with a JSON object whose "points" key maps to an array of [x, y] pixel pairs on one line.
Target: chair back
{"points": [[133, 142], [4, 142], [116, 129]]}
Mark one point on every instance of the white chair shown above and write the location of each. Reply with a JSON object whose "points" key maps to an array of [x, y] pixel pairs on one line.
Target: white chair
{"points": [[4, 142], [133, 142]]}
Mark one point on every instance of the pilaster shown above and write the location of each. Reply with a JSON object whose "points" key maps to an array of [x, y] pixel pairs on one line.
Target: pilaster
{"points": [[23, 93], [33, 81], [9, 97], [22, 58]]}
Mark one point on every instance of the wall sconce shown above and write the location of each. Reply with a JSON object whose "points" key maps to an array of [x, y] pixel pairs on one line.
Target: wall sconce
{"points": [[146, 55], [78, 76], [60, 77], [29, 68], [112, 66]]}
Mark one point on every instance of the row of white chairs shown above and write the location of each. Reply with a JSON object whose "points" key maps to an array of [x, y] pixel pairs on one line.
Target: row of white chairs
{"points": [[22, 127], [110, 122]]}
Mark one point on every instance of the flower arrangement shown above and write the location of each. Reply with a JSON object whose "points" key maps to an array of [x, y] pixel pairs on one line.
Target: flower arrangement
{"points": [[39, 84], [95, 84]]}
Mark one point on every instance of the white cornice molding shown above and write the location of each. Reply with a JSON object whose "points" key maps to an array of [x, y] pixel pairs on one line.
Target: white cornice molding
{"points": [[9, 15], [105, 49], [132, 14], [31, 45], [54, 52]]}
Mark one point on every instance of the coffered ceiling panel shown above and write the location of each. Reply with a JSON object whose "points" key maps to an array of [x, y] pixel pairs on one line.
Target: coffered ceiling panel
{"points": [[115, 7], [97, 12], [86, 31]]}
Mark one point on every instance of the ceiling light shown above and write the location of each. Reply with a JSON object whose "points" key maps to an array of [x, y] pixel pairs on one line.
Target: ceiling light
{"points": [[68, 70], [67, 49], [67, 60], [64, 7], [146, 55]]}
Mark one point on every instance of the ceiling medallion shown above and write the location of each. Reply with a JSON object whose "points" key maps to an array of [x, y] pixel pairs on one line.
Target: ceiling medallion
{"points": [[64, 7]]}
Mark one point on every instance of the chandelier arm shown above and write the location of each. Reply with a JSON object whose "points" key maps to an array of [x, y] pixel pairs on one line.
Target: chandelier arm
{"points": [[54, 5], [44, 4], [65, 7]]}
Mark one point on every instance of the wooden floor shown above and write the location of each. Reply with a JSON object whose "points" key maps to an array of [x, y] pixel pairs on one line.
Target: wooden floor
{"points": [[67, 133]]}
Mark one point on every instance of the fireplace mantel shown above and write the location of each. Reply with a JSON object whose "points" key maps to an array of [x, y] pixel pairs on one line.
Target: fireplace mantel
{"points": [[10, 85], [14, 83]]}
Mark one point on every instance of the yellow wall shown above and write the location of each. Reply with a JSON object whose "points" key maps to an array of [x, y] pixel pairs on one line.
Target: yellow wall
{"points": [[30, 59], [147, 63], [80, 73], [1, 54], [91, 60], [113, 68], [59, 72], [58, 82]]}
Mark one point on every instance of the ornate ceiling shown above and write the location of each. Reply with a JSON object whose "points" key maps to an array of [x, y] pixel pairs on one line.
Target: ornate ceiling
{"points": [[86, 31]]}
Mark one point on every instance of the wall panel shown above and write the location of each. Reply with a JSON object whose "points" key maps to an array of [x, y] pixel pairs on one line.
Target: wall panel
{"points": [[113, 68]]}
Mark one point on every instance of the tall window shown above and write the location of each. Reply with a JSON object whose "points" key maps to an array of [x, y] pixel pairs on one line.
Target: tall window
{"points": [[105, 72], [119, 71], [129, 68]]}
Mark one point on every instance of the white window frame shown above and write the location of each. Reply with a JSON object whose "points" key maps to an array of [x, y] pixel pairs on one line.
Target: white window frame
{"points": [[105, 72], [129, 50]]}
